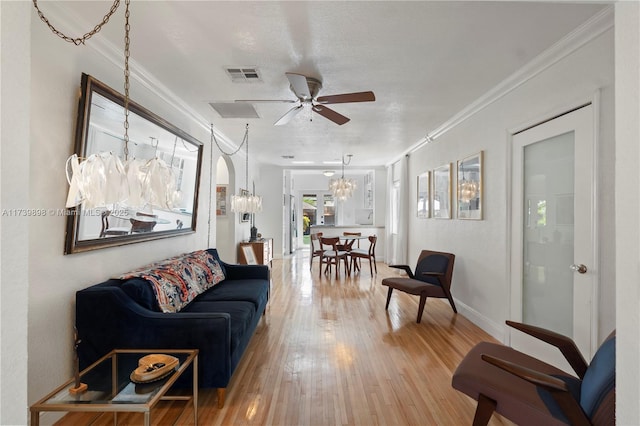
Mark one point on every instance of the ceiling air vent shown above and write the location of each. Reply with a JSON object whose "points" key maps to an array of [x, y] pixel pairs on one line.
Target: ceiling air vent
{"points": [[243, 74], [234, 109]]}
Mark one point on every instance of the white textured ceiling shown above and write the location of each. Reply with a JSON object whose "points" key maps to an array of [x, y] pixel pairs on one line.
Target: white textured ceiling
{"points": [[424, 61]]}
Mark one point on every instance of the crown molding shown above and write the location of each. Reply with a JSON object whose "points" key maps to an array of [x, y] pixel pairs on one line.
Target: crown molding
{"points": [[113, 54], [585, 33]]}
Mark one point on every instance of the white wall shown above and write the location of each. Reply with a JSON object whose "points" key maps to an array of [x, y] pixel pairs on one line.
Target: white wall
{"points": [[269, 185], [481, 284], [627, 201], [15, 18]]}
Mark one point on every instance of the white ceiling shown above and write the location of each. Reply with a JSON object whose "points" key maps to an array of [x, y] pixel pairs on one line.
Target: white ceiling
{"points": [[424, 61]]}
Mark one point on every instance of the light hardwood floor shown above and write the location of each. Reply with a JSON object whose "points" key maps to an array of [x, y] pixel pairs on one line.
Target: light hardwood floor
{"points": [[327, 353]]}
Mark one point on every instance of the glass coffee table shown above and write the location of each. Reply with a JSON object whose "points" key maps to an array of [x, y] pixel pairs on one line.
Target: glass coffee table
{"points": [[110, 388]]}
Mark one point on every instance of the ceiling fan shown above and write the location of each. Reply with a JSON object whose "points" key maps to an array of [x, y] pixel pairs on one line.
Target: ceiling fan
{"points": [[306, 90]]}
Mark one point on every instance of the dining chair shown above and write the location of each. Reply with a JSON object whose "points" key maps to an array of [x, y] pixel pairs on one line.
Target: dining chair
{"points": [[357, 253], [331, 255], [107, 230], [316, 248], [432, 278]]}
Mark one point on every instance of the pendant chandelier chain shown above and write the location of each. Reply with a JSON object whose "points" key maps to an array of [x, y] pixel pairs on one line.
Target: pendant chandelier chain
{"points": [[127, 53], [246, 158], [229, 154], [78, 40], [81, 40]]}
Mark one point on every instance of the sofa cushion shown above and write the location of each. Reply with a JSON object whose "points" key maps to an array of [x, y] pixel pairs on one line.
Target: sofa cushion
{"points": [[244, 290], [241, 314], [141, 291], [178, 280]]}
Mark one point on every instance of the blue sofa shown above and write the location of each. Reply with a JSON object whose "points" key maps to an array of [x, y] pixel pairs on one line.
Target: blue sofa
{"points": [[124, 313]]}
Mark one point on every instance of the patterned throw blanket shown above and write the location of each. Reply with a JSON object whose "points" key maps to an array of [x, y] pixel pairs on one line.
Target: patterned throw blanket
{"points": [[178, 280]]}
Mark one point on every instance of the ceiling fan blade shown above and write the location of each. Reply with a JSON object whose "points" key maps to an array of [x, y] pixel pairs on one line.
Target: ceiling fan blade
{"points": [[288, 116], [347, 97], [261, 101], [299, 85], [330, 114]]}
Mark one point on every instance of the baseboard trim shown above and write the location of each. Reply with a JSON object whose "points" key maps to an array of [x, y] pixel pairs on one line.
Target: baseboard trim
{"points": [[496, 330]]}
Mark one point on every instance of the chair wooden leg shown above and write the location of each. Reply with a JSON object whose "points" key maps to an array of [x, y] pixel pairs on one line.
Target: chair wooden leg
{"points": [[386, 307], [423, 299], [484, 410], [375, 265], [450, 298], [453, 305], [371, 268]]}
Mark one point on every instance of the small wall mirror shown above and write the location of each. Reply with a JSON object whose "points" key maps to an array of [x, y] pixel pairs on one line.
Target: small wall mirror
{"points": [[100, 128]]}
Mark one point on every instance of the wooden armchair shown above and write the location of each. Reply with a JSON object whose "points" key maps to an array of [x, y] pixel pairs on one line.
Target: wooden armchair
{"points": [[531, 392], [432, 278]]}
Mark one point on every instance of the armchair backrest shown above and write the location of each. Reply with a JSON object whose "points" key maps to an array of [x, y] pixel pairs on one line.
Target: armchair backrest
{"points": [[438, 262], [597, 392]]}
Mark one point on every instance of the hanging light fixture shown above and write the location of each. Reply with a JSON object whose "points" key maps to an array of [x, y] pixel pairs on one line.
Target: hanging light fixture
{"points": [[467, 189], [245, 202], [104, 179], [342, 188]]}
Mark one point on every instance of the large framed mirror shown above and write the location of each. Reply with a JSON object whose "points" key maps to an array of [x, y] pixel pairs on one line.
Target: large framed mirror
{"points": [[100, 129]]}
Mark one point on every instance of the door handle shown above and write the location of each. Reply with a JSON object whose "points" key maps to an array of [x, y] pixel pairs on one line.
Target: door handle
{"points": [[581, 269]]}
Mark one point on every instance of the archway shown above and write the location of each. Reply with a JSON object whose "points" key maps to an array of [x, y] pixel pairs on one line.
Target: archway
{"points": [[225, 223]]}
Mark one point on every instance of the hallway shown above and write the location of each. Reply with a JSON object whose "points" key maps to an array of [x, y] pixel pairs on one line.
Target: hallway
{"points": [[327, 353]]}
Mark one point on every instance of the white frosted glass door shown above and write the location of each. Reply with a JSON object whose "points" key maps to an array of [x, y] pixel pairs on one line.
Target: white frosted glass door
{"points": [[548, 229], [554, 269]]}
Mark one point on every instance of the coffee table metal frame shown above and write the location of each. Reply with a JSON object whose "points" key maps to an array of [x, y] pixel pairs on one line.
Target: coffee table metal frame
{"points": [[52, 402]]}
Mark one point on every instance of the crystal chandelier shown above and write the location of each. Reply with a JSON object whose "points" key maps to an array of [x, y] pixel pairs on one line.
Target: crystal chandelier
{"points": [[246, 203], [467, 189], [342, 188]]}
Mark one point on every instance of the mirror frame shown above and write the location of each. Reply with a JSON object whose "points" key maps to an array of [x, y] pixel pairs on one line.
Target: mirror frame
{"points": [[89, 86]]}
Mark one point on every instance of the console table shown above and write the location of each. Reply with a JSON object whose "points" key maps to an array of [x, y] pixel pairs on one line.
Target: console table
{"points": [[261, 249]]}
